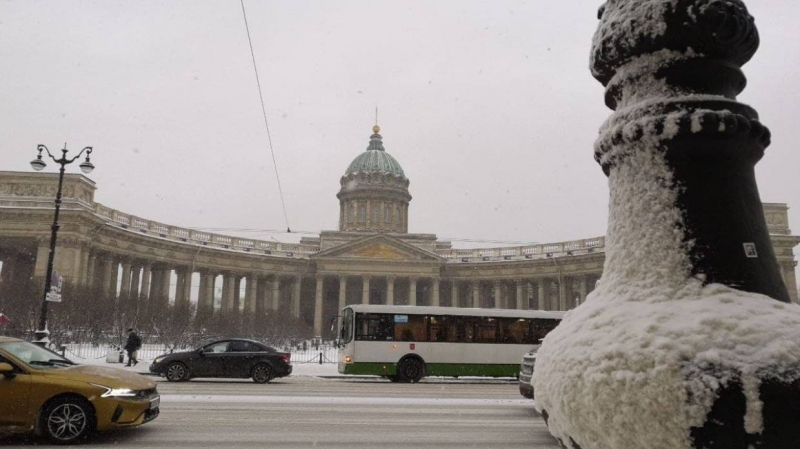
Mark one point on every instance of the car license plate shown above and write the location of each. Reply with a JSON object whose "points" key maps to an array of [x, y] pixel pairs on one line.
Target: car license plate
{"points": [[155, 402]]}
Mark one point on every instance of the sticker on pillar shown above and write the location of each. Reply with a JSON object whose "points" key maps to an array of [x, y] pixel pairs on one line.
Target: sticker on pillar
{"points": [[56, 282], [412, 346], [750, 250]]}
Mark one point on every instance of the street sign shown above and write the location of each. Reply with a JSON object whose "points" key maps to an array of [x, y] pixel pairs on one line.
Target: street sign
{"points": [[53, 297]]}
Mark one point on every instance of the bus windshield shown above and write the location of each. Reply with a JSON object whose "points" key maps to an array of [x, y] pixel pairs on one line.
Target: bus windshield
{"points": [[347, 326]]}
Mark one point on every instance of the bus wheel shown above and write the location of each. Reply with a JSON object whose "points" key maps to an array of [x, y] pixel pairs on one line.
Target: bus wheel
{"points": [[410, 370]]}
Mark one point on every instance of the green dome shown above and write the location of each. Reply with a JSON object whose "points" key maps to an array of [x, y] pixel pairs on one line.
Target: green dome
{"points": [[375, 160]]}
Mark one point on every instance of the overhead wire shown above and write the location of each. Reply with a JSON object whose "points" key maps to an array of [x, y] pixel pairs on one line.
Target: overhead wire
{"points": [[264, 113]]}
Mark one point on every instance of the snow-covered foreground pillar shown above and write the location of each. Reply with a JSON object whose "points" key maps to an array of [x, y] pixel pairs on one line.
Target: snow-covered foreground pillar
{"points": [[689, 340]]}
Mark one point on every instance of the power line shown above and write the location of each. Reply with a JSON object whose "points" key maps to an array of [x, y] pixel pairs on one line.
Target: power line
{"points": [[264, 113]]}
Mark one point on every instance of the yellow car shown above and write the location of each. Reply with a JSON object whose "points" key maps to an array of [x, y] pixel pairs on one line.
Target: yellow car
{"points": [[41, 391]]}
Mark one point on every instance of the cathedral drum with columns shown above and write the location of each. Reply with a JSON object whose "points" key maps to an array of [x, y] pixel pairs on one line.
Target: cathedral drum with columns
{"points": [[370, 259]]}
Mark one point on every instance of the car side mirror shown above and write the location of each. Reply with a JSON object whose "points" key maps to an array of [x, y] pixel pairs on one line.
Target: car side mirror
{"points": [[7, 370], [201, 351]]}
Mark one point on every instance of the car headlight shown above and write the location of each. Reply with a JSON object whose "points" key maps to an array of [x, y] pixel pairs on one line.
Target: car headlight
{"points": [[159, 359], [116, 392]]}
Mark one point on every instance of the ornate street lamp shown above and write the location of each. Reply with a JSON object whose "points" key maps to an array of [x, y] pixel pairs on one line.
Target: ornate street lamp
{"points": [[38, 164]]}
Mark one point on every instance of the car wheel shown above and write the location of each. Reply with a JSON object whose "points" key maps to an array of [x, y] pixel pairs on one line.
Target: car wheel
{"points": [[176, 372], [67, 420], [410, 370], [262, 373]]}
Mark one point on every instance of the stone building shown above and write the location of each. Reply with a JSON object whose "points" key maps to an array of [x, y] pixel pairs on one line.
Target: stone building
{"points": [[371, 258]]}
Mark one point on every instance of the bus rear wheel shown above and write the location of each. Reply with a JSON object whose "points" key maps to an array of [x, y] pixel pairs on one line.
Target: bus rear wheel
{"points": [[410, 370]]}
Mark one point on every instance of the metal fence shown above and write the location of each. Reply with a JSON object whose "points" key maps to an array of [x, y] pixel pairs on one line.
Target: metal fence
{"points": [[305, 352]]}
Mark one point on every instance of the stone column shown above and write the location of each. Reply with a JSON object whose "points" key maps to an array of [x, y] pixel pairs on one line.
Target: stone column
{"points": [[227, 292], [342, 293], [263, 299], [180, 285], [562, 293], [298, 283], [520, 302], [166, 283], [275, 287], [454, 295], [202, 293], [91, 270], [107, 266], [412, 291], [476, 294], [542, 300], [114, 278], [84, 270], [136, 278], [498, 295], [155, 285], [144, 291], [390, 290], [318, 305], [125, 288], [237, 293], [582, 289], [365, 289], [435, 298], [250, 296]]}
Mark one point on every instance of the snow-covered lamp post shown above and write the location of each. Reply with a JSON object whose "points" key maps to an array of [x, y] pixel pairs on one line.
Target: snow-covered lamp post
{"points": [[689, 341]]}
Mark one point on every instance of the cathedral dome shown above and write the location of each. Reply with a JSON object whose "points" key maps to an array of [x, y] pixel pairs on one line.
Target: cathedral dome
{"points": [[375, 160], [374, 192]]}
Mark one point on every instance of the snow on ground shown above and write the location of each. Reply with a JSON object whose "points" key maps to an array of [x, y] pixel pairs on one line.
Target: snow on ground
{"points": [[298, 369]]}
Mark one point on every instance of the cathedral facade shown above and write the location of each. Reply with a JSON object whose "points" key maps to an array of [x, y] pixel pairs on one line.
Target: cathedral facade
{"points": [[370, 259]]}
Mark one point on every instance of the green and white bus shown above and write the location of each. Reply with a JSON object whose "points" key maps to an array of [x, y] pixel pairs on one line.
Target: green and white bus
{"points": [[407, 343]]}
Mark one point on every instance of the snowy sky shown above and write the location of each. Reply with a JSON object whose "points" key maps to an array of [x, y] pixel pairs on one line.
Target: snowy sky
{"points": [[489, 106]]}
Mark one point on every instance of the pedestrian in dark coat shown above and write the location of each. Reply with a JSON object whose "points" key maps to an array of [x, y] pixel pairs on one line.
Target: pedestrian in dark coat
{"points": [[132, 346]]}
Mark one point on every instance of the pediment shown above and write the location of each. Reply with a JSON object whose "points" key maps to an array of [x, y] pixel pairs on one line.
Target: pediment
{"points": [[381, 247]]}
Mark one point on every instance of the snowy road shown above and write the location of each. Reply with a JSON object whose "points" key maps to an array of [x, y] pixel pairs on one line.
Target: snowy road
{"points": [[305, 412]]}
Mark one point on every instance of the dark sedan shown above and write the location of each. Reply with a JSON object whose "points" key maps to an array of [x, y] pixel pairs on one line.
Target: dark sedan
{"points": [[236, 358]]}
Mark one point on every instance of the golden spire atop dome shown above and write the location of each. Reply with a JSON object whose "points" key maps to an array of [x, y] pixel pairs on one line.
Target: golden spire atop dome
{"points": [[376, 129]]}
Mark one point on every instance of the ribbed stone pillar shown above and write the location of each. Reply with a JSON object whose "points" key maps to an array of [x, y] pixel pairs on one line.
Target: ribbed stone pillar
{"points": [[412, 291], [342, 293], [435, 292], [144, 291], [520, 299], [476, 294], [365, 289], [250, 295], [498, 295], [318, 305], [542, 299], [275, 288], [390, 290], [454, 295], [298, 283], [227, 292]]}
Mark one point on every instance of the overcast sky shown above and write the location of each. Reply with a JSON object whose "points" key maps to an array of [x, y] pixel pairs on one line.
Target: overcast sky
{"points": [[489, 107]]}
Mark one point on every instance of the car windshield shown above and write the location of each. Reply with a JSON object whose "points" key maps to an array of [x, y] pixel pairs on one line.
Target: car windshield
{"points": [[35, 355]]}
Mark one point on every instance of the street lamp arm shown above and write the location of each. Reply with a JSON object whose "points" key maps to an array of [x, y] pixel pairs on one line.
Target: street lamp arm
{"points": [[41, 147], [88, 151]]}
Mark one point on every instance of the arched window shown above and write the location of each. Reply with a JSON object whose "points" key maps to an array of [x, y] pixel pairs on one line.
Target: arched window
{"points": [[350, 212]]}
